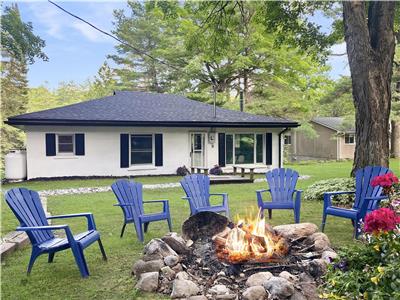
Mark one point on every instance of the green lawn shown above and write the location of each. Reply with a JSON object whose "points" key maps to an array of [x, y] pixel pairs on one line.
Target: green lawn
{"points": [[112, 280]]}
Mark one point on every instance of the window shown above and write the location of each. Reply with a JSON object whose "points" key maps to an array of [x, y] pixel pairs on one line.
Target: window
{"points": [[243, 148], [349, 138], [141, 149], [287, 140], [65, 143]]}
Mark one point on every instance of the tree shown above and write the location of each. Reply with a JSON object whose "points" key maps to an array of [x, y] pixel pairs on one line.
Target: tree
{"points": [[369, 35]]}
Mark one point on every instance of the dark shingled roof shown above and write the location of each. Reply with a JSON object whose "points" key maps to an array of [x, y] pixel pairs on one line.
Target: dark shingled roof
{"points": [[335, 123], [146, 109]]}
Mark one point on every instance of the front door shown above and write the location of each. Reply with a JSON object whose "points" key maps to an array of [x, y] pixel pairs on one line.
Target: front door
{"points": [[197, 149]]}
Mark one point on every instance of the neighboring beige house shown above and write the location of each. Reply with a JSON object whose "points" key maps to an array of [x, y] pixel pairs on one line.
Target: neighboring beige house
{"points": [[332, 141]]}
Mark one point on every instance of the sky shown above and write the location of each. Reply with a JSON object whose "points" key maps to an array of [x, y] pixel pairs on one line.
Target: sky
{"points": [[76, 51]]}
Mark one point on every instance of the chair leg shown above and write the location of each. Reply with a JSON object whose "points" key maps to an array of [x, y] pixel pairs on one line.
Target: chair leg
{"points": [[269, 214], [356, 228], [169, 224], [34, 255], [139, 232], [51, 257], [146, 226], [103, 253], [227, 213], [296, 216], [122, 231], [80, 260], [323, 222]]}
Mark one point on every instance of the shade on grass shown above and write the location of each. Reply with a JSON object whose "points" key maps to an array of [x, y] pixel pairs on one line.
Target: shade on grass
{"points": [[112, 279]]}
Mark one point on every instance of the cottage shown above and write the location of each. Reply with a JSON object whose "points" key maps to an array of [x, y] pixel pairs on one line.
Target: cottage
{"points": [[137, 133], [334, 140]]}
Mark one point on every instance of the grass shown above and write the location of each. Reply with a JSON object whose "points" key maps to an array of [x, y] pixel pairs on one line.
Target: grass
{"points": [[112, 279]]}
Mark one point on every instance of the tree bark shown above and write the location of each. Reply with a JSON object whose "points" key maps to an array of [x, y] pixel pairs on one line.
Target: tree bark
{"points": [[395, 139], [370, 49]]}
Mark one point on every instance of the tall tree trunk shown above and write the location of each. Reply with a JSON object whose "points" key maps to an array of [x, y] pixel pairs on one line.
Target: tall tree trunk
{"points": [[370, 49], [395, 139]]}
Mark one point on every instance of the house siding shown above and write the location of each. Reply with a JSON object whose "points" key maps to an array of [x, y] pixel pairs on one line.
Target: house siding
{"points": [[102, 151], [346, 150]]}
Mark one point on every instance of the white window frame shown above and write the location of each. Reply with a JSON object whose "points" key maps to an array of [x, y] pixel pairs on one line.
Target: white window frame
{"points": [[354, 138], [58, 153], [152, 149], [284, 141], [254, 151]]}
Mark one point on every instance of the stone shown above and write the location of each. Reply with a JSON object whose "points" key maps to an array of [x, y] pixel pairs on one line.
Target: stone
{"points": [[141, 266], [297, 296], [309, 290], [226, 297], [258, 278], [177, 243], [288, 276], [199, 297], [317, 267], [171, 260], [148, 282], [158, 247], [177, 268], [6, 249], [329, 256], [254, 293], [219, 289], [168, 272], [279, 287], [320, 240], [184, 289], [182, 275], [293, 231]]}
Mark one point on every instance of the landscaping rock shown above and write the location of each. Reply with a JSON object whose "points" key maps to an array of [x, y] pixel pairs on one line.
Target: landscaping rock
{"points": [[279, 287], [199, 297], [297, 296], [177, 243], [148, 282], [141, 266], [178, 268], [293, 231], [254, 293], [317, 267], [288, 276], [320, 240], [184, 289], [219, 289], [182, 275], [258, 278], [329, 256], [171, 260], [168, 272], [158, 247], [226, 297]]}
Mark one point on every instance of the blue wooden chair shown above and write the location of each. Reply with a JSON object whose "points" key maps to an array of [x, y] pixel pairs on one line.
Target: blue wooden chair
{"points": [[367, 198], [130, 198], [282, 187], [28, 209], [197, 189]]}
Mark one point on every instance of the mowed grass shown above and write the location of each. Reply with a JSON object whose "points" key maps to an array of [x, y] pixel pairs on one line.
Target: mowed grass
{"points": [[112, 279]]}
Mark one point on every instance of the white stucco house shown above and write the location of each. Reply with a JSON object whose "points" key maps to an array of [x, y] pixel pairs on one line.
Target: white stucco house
{"points": [[137, 133]]}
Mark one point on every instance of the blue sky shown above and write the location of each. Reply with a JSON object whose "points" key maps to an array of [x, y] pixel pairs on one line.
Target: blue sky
{"points": [[76, 51]]}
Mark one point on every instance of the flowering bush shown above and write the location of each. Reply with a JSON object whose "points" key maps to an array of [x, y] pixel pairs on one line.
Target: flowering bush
{"points": [[385, 181], [382, 219]]}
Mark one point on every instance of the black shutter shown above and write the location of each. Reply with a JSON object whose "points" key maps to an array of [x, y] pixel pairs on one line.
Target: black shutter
{"points": [[79, 144], [158, 141], [124, 148], [268, 148], [50, 144], [221, 149]]}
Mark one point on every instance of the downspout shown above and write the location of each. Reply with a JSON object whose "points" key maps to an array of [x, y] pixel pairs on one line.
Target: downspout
{"points": [[280, 145]]}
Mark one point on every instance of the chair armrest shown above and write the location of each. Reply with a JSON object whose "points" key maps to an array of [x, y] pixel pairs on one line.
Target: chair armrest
{"points": [[262, 191], [224, 197], [218, 194], [164, 202], [155, 201], [298, 191], [39, 228], [88, 216], [185, 198], [339, 193], [376, 198]]}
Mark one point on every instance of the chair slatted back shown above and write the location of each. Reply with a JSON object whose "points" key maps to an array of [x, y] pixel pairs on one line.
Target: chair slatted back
{"points": [[129, 192], [27, 207], [282, 183], [363, 185], [197, 188]]}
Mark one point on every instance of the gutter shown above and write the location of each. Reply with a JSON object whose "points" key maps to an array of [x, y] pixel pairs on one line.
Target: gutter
{"points": [[280, 145]]}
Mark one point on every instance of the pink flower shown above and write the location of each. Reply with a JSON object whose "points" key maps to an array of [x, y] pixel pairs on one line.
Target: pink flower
{"points": [[382, 219], [385, 181]]}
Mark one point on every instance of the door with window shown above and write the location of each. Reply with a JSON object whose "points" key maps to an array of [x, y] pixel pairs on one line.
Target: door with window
{"points": [[197, 152]]}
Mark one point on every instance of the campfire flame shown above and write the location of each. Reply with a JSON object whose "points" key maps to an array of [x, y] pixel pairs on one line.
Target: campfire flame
{"points": [[251, 240]]}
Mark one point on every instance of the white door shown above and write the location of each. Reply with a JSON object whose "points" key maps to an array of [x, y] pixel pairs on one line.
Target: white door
{"points": [[197, 149]]}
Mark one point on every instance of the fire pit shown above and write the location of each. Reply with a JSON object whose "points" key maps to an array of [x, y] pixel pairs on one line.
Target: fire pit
{"points": [[217, 259]]}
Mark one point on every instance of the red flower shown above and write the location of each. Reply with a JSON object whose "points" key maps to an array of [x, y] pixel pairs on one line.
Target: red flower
{"points": [[382, 219], [385, 181]]}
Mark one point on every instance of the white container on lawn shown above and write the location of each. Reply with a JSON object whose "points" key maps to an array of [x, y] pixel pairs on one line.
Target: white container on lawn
{"points": [[15, 165]]}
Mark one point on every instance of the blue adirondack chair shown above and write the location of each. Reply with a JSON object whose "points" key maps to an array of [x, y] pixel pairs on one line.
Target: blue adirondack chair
{"points": [[130, 198], [367, 198], [197, 189], [282, 187], [28, 209]]}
